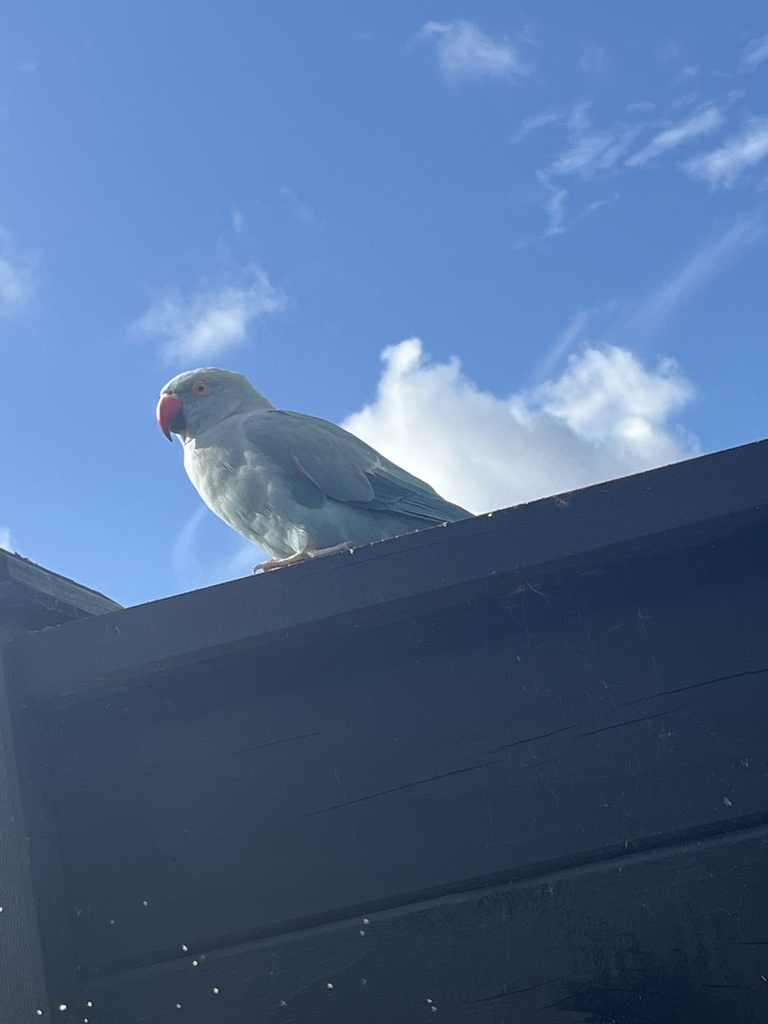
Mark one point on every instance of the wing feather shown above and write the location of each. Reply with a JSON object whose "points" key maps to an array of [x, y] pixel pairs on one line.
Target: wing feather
{"points": [[321, 461]]}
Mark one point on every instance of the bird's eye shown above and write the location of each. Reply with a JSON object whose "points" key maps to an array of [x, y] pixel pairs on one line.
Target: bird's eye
{"points": [[200, 388]]}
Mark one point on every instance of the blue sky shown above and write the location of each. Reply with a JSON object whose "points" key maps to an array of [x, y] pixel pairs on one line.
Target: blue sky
{"points": [[519, 249]]}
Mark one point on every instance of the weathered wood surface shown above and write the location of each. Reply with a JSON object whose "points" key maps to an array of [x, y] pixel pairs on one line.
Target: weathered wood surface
{"points": [[36, 594], [22, 982], [30, 598], [529, 749], [676, 936], [292, 786]]}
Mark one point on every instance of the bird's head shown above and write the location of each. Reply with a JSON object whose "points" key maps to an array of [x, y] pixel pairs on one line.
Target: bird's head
{"points": [[197, 399]]}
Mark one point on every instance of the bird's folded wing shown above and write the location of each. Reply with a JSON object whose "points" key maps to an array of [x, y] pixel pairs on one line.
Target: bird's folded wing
{"points": [[321, 460]]}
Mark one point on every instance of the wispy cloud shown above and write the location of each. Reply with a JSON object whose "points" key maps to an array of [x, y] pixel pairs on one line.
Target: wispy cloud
{"points": [[465, 51], [724, 165], [554, 206], [214, 318], [623, 323], [755, 52], [606, 415], [698, 270], [590, 153], [5, 538], [562, 345], [542, 120], [698, 124], [590, 150], [594, 153], [18, 276]]}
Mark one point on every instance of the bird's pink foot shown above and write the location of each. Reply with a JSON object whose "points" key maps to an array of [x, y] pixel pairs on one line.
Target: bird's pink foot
{"points": [[279, 563], [302, 556]]}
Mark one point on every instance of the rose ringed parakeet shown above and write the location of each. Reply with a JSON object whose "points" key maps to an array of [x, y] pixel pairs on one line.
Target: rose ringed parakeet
{"points": [[297, 486]]}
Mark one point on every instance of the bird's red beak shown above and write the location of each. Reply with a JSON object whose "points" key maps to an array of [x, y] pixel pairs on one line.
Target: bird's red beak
{"points": [[170, 415]]}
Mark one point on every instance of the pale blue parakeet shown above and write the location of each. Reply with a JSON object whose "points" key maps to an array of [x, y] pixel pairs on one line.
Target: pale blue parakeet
{"points": [[297, 486]]}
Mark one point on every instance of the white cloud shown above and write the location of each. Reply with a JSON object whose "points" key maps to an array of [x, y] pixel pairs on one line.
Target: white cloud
{"points": [[724, 165], [213, 319], [606, 416], [607, 397], [18, 276], [698, 124], [465, 51], [6, 540], [755, 52]]}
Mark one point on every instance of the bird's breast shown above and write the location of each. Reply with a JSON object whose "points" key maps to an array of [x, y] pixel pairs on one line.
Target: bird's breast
{"points": [[245, 495]]}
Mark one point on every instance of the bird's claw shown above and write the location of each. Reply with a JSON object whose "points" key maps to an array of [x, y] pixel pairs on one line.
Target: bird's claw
{"points": [[279, 563]]}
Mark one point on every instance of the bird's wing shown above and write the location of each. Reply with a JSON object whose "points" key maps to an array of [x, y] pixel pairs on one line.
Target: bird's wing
{"points": [[320, 461]]}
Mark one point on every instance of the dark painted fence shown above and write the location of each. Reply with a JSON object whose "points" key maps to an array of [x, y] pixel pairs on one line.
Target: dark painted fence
{"points": [[513, 770]]}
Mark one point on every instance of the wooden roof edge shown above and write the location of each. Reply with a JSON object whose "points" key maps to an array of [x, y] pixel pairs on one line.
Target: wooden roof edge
{"points": [[24, 584], [671, 507]]}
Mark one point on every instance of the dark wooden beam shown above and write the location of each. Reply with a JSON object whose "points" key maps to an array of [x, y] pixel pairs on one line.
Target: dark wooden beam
{"points": [[22, 980], [30, 598], [677, 505], [610, 710], [670, 937], [26, 586]]}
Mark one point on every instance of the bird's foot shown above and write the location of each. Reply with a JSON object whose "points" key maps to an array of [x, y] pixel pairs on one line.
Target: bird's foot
{"points": [[279, 563], [302, 556]]}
